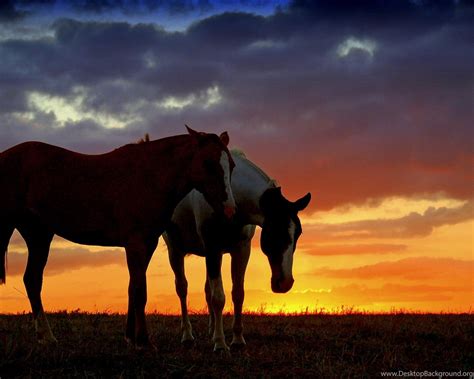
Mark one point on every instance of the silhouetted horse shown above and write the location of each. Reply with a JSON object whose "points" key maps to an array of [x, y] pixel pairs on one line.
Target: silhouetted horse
{"points": [[195, 229], [122, 198]]}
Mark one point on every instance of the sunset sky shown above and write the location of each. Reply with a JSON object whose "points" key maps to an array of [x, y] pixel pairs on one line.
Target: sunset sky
{"points": [[367, 104]]}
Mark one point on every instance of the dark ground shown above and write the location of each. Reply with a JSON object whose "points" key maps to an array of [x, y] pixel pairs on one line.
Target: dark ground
{"points": [[352, 345]]}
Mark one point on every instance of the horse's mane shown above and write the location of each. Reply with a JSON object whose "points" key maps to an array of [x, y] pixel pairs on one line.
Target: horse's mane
{"points": [[238, 152], [241, 154], [144, 139]]}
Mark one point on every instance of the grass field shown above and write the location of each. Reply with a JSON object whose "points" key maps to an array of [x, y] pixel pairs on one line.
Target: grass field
{"points": [[317, 345]]}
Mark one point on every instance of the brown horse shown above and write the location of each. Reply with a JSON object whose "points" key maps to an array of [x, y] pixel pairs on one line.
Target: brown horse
{"points": [[123, 198]]}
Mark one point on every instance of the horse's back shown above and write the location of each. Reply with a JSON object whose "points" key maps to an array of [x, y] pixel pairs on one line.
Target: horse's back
{"points": [[33, 147], [32, 159], [29, 157], [90, 199], [14, 163], [33, 174]]}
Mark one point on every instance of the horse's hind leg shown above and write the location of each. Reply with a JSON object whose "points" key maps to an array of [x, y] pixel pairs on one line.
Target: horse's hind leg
{"points": [[139, 252], [211, 323], [5, 234], [38, 240], [176, 259], [213, 266], [240, 258]]}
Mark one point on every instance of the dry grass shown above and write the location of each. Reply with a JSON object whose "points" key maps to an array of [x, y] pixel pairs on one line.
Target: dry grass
{"points": [[311, 345]]}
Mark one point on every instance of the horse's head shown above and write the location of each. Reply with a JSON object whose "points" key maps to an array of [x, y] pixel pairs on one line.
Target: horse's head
{"points": [[211, 171], [280, 231]]}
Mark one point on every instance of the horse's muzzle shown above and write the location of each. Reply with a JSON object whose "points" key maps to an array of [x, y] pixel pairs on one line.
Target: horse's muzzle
{"points": [[282, 285]]}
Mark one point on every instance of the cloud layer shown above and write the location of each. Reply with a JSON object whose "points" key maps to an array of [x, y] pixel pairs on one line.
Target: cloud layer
{"points": [[413, 269], [66, 259], [360, 249], [351, 105], [412, 225]]}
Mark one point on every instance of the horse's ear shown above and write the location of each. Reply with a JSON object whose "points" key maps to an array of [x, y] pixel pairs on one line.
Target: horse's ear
{"points": [[224, 138], [191, 131], [302, 203]]}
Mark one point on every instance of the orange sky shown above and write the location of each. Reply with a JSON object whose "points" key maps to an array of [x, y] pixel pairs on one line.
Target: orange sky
{"points": [[369, 108], [343, 260]]}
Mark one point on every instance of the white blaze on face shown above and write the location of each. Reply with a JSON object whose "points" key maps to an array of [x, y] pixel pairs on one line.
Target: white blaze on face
{"points": [[224, 161], [287, 262]]}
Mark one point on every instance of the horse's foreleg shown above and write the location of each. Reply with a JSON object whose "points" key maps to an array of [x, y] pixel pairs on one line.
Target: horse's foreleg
{"points": [[213, 265], [177, 264], [38, 241], [207, 290], [239, 260], [138, 258], [130, 328]]}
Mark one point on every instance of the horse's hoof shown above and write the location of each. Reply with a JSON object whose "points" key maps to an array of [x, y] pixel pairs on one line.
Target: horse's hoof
{"points": [[48, 341], [187, 344], [222, 353], [129, 341], [221, 348], [238, 346], [147, 347]]}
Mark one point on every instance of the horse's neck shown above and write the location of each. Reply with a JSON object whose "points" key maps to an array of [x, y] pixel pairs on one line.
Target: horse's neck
{"points": [[176, 174], [248, 184]]}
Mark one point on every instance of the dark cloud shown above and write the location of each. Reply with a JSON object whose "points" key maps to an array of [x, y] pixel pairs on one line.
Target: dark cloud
{"points": [[220, 30], [100, 6], [125, 6], [361, 249], [66, 259], [387, 9], [418, 269], [139, 7], [9, 12], [409, 226], [388, 116]]}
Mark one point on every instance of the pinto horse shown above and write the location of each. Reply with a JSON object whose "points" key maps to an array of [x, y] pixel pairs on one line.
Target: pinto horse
{"points": [[123, 198], [195, 229]]}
